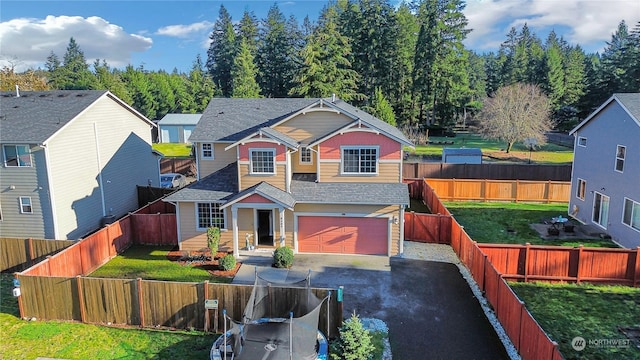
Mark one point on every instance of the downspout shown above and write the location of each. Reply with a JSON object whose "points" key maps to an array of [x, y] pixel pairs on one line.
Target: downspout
{"points": [[287, 184], [50, 188], [100, 181]]}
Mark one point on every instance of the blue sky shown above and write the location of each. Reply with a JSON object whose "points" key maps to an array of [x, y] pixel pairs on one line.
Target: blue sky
{"points": [[167, 34]]}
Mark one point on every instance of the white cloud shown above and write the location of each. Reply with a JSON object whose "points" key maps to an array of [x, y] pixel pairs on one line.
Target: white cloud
{"points": [[183, 31], [589, 23], [27, 42]]}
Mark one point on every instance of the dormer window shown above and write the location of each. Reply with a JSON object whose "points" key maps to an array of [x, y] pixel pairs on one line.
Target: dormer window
{"points": [[207, 151], [17, 155], [360, 160], [262, 161]]}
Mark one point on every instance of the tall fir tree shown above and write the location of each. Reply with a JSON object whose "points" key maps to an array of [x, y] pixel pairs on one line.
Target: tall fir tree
{"points": [[555, 83], [243, 74], [74, 71], [222, 51], [402, 69], [200, 86]]}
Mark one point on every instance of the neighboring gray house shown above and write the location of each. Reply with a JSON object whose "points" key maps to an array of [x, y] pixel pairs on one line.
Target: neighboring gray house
{"points": [[462, 155], [176, 128], [605, 183], [70, 161]]}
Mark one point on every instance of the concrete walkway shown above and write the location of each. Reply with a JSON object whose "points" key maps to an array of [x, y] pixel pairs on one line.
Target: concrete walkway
{"points": [[430, 309]]}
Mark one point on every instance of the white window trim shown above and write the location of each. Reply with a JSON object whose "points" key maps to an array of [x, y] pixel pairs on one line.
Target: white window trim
{"points": [[615, 164], [359, 147], [22, 205], [595, 195], [224, 215], [635, 204], [4, 155], [251, 151], [582, 138], [310, 162], [204, 157], [584, 189]]}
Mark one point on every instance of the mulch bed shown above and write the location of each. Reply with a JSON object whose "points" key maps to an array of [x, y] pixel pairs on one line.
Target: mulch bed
{"points": [[202, 259]]}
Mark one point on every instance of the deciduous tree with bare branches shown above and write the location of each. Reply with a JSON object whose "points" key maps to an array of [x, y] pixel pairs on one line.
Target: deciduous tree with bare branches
{"points": [[515, 113]]}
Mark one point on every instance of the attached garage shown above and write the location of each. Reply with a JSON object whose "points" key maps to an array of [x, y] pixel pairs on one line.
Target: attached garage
{"points": [[345, 235]]}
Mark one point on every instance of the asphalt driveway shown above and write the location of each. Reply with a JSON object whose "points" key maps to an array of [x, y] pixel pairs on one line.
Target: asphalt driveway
{"points": [[429, 308]]}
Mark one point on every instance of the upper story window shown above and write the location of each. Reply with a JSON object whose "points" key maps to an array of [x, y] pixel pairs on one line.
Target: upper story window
{"points": [[207, 151], [210, 214], [17, 155], [360, 160], [631, 213], [582, 188], [262, 161], [25, 205], [582, 141], [620, 153], [305, 155]]}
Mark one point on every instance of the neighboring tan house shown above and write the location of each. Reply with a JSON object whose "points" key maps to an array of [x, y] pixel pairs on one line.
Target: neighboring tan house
{"points": [[176, 128], [71, 162], [605, 183], [317, 175]]}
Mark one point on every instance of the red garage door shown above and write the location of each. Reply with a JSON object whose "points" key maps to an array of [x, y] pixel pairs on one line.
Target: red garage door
{"points": [[346, 235]]}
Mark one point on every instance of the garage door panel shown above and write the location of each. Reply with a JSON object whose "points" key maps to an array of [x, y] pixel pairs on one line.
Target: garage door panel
{"points": [[349, 235]]}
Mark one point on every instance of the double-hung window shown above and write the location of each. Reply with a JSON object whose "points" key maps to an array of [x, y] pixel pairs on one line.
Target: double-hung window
{"points": [[582, 141], [305, 155], [360, 160], [620, 153], [262, 161], [210, 215], [25, 205], [17, 155], [631, 213], [207, 151], [582, 188]]}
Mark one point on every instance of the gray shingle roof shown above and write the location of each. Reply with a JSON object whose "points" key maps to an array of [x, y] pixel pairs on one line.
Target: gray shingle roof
{"points": [[36, 115], [373, 121], [350, 193], [218, 186], [233, 119], [180, 119], [632, 102], [268, 191], [283, 138]]}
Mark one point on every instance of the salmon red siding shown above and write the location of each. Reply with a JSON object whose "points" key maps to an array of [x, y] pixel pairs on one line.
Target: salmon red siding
{"points": [[389, 149], [343, 235], [255, 198], [244, 149]]}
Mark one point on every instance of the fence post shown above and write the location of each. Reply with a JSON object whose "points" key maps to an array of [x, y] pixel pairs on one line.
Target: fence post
{"points": [[526, 261], [140, 306], [580, 247], [31, 252], [548, 191], [206, 311], [48, 267], [81, 299], [484, 190], [517, 189], [636, 273]]}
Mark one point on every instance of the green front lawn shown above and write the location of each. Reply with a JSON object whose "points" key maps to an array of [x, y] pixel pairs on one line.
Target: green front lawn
{"points": [[173, 149], [151, 263], [546, 154], [64, 340], [488, 222], [592, 312]]}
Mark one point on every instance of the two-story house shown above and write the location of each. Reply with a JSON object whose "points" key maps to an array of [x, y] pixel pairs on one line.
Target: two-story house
{"points": [[605, 183], [317, 175], [71, 160]]}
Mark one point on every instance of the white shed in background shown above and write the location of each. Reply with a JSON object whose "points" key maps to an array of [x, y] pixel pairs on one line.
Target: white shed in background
{"points": [[176, 128], [462, 156]]}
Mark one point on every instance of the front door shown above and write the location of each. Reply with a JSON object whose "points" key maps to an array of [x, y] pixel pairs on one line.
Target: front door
{"points": [[265, 227]]}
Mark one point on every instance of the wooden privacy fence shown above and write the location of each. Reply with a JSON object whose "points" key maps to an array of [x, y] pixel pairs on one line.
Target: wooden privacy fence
{"points": [[501, 190], [559, 263], [486, 171], [149, 303], [184, 166], [19, 254]]}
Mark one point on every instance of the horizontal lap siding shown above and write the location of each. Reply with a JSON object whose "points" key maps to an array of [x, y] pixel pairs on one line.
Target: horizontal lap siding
{"points": [[247, 180], [221, 158], [387, 173], [193, 240], [313, 125]]}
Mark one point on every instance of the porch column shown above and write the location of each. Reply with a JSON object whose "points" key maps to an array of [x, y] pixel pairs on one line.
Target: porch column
{"points": [[234, 224], [282, 233], [287, 181]]}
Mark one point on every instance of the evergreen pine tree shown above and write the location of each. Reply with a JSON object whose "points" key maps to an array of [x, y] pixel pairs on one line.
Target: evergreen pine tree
{"points": [[243, 74]]}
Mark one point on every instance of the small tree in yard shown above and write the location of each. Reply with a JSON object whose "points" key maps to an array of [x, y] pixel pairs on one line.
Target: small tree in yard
{"points": [[354, 342], [515, 113], [213, 240]]}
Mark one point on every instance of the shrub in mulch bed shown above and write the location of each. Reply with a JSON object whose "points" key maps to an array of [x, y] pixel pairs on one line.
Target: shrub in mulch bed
{"points": [[203, 260]]}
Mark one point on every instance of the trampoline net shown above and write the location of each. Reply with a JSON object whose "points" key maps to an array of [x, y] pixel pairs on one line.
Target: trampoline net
{"points": [[279, 318]]}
